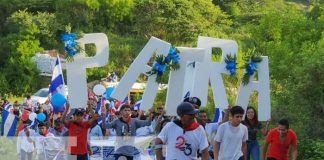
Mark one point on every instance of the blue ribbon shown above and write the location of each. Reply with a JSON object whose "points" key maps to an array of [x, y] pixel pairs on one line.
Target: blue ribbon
{"points": [[231, 67], [160, 68], [70, 43], [172, 56], [251, 68], [68, 37]]}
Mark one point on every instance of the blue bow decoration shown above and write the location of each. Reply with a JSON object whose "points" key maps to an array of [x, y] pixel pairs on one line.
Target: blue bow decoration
{"points": [[231, 67], [162, 63], [159, 68], [70, 43], [251, 68], [172, 56]]}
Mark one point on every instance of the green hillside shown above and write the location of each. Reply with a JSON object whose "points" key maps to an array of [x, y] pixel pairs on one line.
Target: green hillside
{"points": [[290, 32]]}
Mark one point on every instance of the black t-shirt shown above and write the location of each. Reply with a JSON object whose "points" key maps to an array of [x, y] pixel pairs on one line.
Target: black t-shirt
{"points": [[252, 131]]}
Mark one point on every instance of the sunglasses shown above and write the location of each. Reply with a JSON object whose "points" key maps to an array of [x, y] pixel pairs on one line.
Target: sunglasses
{"points": [[193, 100]]}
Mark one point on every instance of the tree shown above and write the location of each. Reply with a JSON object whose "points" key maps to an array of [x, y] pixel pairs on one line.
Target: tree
{"points": [[23, 42], [93, 15], [175, 21]]}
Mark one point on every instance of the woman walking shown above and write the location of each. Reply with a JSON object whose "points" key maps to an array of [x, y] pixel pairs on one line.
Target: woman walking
{"points": [[254, 126]]}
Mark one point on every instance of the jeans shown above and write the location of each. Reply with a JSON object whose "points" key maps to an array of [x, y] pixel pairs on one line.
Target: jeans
{"points": [[24, 155], [253, 150]]}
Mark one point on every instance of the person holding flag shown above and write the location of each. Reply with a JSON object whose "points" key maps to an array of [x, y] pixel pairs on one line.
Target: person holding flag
{"points": [[95, 132]]}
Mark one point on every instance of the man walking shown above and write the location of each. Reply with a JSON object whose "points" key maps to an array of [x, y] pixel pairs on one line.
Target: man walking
{"points": [[280, 139], [184, 137], [231, 137]]}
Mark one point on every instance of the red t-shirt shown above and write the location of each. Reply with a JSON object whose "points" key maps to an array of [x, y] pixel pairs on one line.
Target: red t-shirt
{"points": [[279, 150], [77, 140]]}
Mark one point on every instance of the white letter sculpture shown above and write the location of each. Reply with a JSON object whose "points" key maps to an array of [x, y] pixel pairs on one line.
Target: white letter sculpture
{"points": [[139, 66], [210, 70], [76, 70], [263, 88], [182, 80], [193, 76], [215, 70]]}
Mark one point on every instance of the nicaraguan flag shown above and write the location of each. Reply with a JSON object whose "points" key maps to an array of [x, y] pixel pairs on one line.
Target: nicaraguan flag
{"points": [[137, 105], [7, 106], [100, 103], [9, 124], [112, 107], [107, 119], [219, 115], [125, 101], [187, 95], [57, 83]]}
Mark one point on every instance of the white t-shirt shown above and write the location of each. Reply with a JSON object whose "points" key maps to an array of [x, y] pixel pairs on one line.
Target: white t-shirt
{"points": [[182, 145], [42, 142], [231, 139], [23, 143]]}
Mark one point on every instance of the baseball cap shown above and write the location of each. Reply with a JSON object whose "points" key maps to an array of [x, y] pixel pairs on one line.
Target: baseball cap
{"points": [[193, 100], [186, 108], [79, 111]]}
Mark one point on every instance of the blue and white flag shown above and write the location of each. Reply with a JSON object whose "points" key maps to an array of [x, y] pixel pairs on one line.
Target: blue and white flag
{"points": [[9, 124], [187, 95], [125, 101], [112, 107], [57, 83], [219, 115], [99, 104], [98, 108], [137, 105], [107, 119], [7, 106]]}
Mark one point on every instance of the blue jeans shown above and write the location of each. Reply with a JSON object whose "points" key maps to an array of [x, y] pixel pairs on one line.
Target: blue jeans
{"points": [[253, 150]]}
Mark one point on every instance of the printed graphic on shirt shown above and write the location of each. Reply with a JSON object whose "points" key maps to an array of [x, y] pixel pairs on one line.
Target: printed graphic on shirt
{"points": [[183, 146]]}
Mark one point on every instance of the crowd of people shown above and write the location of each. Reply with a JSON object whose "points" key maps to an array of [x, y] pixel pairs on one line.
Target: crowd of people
{"points": [[189, 135]]}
